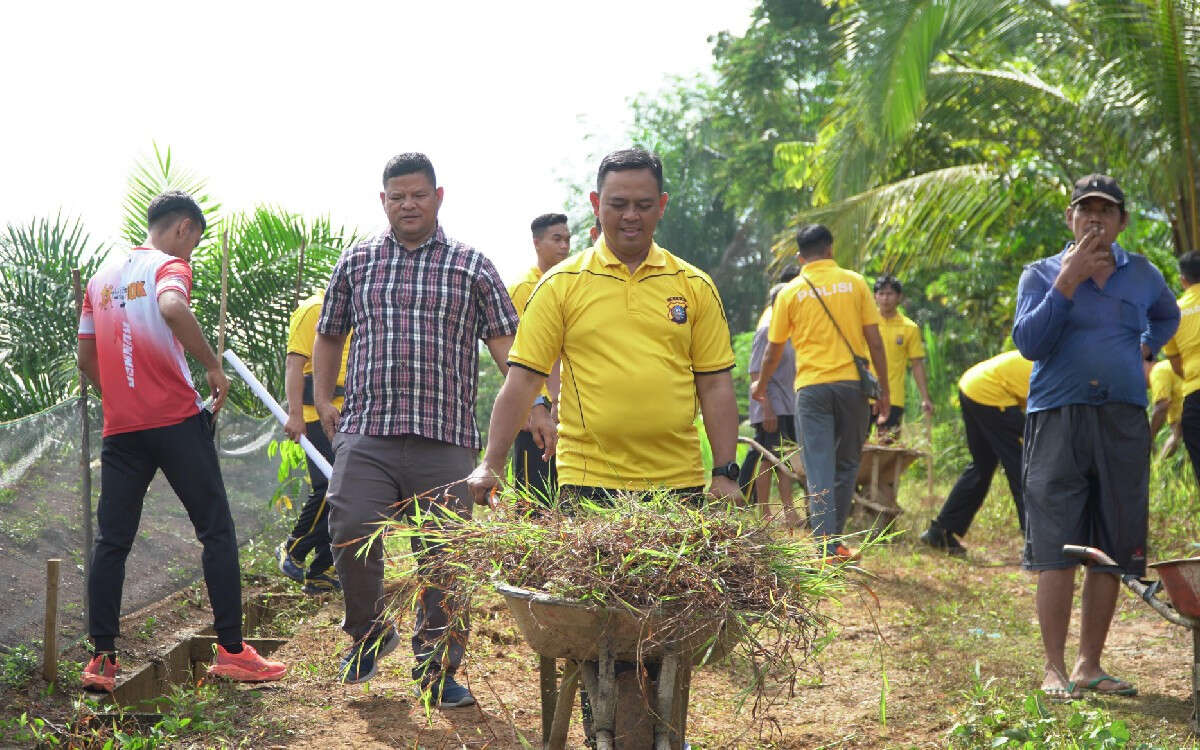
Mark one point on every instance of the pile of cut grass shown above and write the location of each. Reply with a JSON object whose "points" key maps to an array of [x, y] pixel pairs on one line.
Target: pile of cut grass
{"points": [[684, 563]]}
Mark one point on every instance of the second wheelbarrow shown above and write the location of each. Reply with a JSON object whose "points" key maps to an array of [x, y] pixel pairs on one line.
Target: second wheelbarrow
{"points": [[1181, 579]]}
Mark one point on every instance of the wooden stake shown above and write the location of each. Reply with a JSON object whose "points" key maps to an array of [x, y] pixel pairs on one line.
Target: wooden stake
{"points": [[85, 454], [50, 650], [929, 459], [548, 673], [563, 706], [299, 274], [224, 307]]}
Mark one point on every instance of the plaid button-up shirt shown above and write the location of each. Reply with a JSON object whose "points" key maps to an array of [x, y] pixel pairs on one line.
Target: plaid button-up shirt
{"points": [[417, 317]]}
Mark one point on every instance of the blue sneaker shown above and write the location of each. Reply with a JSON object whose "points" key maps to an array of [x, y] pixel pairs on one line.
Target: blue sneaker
{"points": [[325, 582], [288, 564], [360, 662], [445, 692]]}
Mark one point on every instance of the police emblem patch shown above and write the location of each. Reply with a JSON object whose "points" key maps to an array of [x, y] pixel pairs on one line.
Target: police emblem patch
{"points": [[677, 310], [899, 339]]}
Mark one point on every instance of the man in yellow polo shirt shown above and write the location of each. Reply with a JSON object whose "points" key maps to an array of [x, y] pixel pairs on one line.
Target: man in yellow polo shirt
{"points": [[992, 395], [531, 471], [642, 339], [311, 532], [1183, 351], [1166, 398], [828, 314], [904, 347]]}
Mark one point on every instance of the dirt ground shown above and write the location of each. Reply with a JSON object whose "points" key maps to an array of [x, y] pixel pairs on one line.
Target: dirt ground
{"points": [[897, 671], [39, 519], [935, 619]]}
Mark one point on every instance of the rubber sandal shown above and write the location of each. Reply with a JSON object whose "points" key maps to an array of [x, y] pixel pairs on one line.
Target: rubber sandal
{"points": [[1062, 695], [1094, 685]]}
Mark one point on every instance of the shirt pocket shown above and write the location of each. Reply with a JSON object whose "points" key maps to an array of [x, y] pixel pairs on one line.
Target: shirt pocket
{"points": [[1132, 316]]}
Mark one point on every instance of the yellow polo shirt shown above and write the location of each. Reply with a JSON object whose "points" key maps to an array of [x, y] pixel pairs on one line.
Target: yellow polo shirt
{"points": [[1186, 341], [630, 347], [1165, 385], [821, 355], [519, 292], [1001, 381], [302, 331], [902, 343], [764, 319]]}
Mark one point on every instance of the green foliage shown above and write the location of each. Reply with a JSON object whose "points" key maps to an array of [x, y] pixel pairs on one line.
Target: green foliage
{"points": [[17, 665], [38, 321], [266, 282], [151, 176], [742, 345], [960, 121], [717, 134], [292, 473], [275, 259], [993, 719]]}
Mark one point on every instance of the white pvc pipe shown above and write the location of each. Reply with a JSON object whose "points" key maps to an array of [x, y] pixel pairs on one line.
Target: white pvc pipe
{"points": [[257, 388]]}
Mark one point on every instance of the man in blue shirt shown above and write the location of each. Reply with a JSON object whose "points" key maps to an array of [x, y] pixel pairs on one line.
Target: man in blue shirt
{"points": [[1088, 318]]}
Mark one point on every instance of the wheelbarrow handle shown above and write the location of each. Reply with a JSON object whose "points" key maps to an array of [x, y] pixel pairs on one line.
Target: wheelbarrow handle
{"points": [[1088, 553]]}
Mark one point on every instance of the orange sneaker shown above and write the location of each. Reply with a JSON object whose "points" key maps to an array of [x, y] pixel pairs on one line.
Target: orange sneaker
{"points": [[101, 672], [842, 554], [246, 666]]}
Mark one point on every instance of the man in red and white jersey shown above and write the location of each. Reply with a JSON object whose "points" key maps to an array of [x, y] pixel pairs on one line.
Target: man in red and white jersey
{"points": [[135, 326]]}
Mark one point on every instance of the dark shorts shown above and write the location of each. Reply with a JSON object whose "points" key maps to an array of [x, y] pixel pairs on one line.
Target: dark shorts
{"points": [[570, 496], [891, 424], [782, 442], [1086, 480]]}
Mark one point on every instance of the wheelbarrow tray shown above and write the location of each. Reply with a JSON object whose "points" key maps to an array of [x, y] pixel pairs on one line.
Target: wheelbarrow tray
{"points": [[569, 629], [1181, 579]]}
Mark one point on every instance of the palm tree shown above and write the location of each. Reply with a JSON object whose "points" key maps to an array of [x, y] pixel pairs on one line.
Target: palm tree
{"points": [[38, 322], [955, 114], [274, 256]]}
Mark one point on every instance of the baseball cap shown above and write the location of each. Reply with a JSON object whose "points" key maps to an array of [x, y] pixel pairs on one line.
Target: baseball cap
{"points": [[1098, 186]]}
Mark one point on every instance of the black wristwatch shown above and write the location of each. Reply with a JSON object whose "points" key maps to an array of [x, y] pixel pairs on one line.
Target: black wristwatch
{"points": [[729, 471]]}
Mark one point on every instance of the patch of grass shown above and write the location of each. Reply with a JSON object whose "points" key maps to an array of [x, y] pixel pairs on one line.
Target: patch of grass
{"points": [[17, 665], [993, 719]]}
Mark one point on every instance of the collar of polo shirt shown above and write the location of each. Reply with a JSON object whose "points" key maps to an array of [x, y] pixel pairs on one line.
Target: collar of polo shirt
{"points": [[654, 258]]}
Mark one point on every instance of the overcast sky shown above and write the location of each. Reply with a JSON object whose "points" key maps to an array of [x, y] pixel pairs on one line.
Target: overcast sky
{"points": [[300, 104]]}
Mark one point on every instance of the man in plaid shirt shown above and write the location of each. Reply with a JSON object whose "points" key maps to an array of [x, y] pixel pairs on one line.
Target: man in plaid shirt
{"points": [[418, 302]]}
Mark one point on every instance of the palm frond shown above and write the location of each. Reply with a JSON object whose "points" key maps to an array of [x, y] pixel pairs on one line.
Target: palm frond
{"points": [[931, 211], [151, 176]]}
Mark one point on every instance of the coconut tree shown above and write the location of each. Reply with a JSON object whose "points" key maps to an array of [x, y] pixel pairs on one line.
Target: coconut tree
{"points": [[956, 114], [38, 322], [274, 256]]}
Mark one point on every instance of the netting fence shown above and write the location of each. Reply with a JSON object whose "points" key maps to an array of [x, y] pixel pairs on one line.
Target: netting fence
{"points": [[41, 514]]}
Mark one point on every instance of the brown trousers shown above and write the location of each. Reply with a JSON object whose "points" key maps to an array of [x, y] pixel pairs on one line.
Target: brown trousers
{"points": [[387, 477]]}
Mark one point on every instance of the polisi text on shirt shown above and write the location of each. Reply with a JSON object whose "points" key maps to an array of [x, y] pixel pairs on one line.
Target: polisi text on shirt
{"points": [[826, 290]]}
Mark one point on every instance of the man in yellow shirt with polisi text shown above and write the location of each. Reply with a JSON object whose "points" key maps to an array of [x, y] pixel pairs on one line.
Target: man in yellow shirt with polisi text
{"points": [[992, 396], [832, 321], [642, 338], [532, 471], [1183, 351], [904, 347], [311, 531]]}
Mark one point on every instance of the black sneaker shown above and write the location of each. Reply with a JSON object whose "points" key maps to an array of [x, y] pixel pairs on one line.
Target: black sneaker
{"points": [[325, 582], [288, 565], [938, 538], [445, 692], [361, 661]]}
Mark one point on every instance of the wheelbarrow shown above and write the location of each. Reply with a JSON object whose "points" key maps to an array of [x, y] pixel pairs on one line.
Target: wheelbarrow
{"points": [[592, 639], [876, 486], [1181, 579]]}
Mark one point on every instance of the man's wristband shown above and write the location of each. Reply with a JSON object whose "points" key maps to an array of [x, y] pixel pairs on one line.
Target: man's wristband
{"points": [[543, 401]]}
